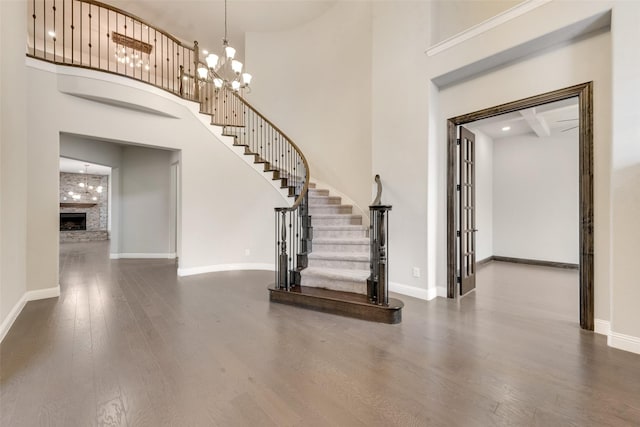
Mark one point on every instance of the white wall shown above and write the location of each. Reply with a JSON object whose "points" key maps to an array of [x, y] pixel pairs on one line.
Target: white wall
{"points": [[227, 207], [625, 185], [314, 83], [451, 17], [484, 196], [13, 161], [535, 197], [145, 201], [399, 135]]}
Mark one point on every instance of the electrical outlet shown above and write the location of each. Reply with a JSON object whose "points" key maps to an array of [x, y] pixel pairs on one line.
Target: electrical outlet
{"points": [[416, 272], [247, 252]]}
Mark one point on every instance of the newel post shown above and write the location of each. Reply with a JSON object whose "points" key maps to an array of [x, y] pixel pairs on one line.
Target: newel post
{"points": [[282, 267], [378, 281]]}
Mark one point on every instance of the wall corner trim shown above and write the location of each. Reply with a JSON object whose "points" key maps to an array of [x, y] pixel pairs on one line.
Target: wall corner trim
{"points": [[602, 327], [19, 305], [224, 267], [624, 342], [412, 291], [483, 27]]}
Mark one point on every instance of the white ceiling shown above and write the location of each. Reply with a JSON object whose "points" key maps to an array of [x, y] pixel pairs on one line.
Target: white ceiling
{"points": [[203, 20], [77, 166], [556, 118]]}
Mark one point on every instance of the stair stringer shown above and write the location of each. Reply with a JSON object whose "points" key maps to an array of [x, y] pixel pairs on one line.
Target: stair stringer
{"points": [[228, 141]]}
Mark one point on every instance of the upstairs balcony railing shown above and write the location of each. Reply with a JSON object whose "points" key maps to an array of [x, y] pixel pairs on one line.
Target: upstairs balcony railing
{"points": [[95, 35]]}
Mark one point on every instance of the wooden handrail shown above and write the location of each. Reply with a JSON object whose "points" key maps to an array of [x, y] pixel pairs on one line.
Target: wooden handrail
{"points": [[305, 187]]}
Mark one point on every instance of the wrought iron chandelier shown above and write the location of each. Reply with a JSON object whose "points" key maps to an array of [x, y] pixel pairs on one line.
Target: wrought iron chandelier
{"points": [[223, 70]]}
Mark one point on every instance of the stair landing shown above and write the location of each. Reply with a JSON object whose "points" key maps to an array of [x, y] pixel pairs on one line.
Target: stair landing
{"points": [[347, 304]]}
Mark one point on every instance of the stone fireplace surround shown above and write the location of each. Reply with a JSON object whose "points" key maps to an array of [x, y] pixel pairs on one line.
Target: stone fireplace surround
{"points": [[96, 210]]}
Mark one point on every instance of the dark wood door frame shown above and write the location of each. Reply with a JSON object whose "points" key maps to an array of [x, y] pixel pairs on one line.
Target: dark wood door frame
{"points": [[584, 93]]}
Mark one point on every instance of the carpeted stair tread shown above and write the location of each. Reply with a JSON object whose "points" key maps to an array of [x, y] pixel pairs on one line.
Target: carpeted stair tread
{"points": [[335, 215], [338, 274], [342, 240], [340, 227], [346, 256]]}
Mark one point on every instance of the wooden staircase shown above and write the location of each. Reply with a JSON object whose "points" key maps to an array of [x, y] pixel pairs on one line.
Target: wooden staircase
{"points": [[335, 278]]}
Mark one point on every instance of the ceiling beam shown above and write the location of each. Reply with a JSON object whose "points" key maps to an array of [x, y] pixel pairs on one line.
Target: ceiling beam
{"points": [[537, 123]]}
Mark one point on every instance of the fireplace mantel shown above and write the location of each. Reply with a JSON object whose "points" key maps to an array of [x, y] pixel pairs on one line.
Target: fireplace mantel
{"points": [[77, 205]]}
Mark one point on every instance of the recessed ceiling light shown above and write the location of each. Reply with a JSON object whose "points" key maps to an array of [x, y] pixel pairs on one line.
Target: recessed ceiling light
{"points": [[506, 128], [52, 33], [81, 171], [205, 52]]}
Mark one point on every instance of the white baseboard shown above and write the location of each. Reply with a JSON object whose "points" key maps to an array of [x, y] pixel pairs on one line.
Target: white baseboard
{"points": [[412, 291], [602, 327], [224, 267], [12, 316], [19, 305], [624, 342], [142, 256], [442, 291]]}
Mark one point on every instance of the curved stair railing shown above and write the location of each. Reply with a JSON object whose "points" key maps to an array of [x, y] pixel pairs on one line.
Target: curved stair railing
{"points": [[94, 35], [281, 156]]}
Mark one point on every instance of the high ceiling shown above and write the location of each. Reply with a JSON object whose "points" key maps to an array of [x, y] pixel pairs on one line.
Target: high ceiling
{"points": [[203, 20], [556, 118]]}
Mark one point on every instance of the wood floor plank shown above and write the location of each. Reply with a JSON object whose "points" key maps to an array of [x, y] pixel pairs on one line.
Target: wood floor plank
{"points": [[129, 343]]}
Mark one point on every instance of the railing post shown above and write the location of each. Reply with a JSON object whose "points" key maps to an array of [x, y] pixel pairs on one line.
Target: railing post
{"points": [[378, 281], [283, 263], [181, 81], [196, 62]]}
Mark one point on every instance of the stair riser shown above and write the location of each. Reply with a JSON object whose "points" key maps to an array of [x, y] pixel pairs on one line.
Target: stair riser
{"points": [[346, 220], [349, 234], [318, 192], [333, 284], [324, 201], [337, 247], [339, 264], [329, 209]]}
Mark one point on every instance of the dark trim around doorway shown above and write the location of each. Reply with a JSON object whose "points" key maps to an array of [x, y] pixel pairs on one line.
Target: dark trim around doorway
{"points": [[584, 92]]}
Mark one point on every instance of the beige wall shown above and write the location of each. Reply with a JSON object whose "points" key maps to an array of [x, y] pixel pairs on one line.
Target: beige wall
{"points": [[237, 212], [13, 158], [145, 201], [314, 83], [448, 18], [505, 64], [625, 197]]}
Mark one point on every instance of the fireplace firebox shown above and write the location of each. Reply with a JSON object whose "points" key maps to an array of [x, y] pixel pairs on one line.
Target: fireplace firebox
{"points": [[73, 221]]}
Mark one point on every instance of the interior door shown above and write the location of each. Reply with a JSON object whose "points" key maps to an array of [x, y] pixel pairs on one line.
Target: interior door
{"points": [[467, 214]]}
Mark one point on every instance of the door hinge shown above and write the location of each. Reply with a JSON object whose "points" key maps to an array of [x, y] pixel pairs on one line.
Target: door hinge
{"points": [[458, 141], [459, 279], [458, 187], [458, 233]]}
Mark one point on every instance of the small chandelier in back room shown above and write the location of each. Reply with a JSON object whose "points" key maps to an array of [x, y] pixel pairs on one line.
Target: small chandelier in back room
{"points": [[223, 70], [87, 190]]}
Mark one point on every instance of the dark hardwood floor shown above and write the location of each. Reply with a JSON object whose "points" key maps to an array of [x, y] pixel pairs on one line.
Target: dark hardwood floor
{"points": [[129, 343]]}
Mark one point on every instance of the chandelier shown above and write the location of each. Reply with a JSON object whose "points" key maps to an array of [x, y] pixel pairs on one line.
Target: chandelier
{"points": [[130, 58], [223, 70], [88, 192], [130, 51]]}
